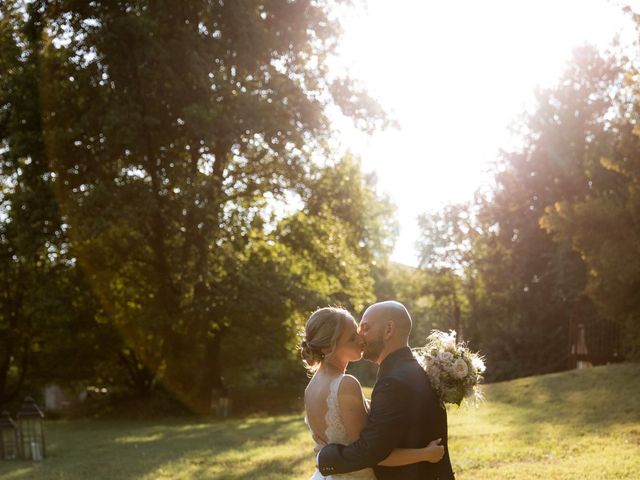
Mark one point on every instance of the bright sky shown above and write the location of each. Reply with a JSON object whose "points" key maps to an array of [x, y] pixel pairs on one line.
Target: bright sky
{"points": [[455, 75]]}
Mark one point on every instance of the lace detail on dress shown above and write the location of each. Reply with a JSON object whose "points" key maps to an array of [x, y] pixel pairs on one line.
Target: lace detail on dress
{"points": [[336, 431]]}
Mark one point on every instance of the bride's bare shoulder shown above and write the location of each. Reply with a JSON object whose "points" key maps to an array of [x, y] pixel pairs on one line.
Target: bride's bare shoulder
{"points": [[308, 388], [315, 384], [350, 379], [350, 386]]}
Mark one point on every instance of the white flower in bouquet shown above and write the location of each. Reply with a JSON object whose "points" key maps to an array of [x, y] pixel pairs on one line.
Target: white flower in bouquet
{"points": [[460, 368], [447, 340], [445, 357], [455, 371], [478, 364]]}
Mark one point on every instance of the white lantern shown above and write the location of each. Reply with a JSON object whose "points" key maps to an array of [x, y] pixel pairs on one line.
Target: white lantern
{"points": [[31, 431], [8, 438]]}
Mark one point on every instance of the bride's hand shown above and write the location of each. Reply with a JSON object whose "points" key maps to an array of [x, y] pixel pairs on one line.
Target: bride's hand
{"points": [[434, 451]]}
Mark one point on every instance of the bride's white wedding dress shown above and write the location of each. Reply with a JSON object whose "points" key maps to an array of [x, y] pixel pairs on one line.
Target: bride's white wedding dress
{"points": [[337, 433]]}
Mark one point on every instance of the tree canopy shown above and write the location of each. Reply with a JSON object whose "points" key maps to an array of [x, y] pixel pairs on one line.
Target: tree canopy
{"points": [[144, 145], [552, 244]]}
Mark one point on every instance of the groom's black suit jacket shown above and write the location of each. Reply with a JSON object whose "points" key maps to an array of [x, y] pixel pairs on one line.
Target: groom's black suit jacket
{"points": [[405, 413]]}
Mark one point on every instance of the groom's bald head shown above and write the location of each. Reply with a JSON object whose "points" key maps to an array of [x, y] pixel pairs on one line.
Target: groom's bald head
{"points": [[385, 327], [391, 311]]}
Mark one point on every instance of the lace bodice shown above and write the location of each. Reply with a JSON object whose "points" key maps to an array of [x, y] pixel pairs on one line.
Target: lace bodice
{"points": [[336, 432]]}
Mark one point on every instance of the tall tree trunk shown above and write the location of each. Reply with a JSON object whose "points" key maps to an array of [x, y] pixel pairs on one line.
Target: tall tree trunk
{"points": [[4, 371], [167, 295], [211, 362], [140, 376], [211, 378]]}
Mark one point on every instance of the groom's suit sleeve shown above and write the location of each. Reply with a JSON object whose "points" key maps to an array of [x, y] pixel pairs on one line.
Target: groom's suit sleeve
{"points": [[388, 420]]}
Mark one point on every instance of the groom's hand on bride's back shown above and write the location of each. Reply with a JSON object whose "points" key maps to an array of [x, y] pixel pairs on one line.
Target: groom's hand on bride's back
{"points": [[434, 451]]}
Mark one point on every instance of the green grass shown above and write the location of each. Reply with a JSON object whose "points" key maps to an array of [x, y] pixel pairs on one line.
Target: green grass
{"points": [[582, 425]]}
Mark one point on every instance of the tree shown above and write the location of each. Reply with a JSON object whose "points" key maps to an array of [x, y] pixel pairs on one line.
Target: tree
{"points": [[444, 246], [602, 225], [322, 255], [42, 339], [529, 281], [166, 129], [516, 285], [31, 236]]}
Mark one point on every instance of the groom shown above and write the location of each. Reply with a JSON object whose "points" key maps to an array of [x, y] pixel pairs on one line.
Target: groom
{"points": [[405, 410]]}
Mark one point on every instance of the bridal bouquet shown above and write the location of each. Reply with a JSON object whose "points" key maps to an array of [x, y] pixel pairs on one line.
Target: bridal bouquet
{"points": [[455, 371]]}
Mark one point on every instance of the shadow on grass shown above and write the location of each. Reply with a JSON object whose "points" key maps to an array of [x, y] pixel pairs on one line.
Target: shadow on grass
{"points": [[122, 450], [275, 467]]}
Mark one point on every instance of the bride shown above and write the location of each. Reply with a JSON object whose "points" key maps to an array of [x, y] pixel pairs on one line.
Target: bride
{"points": [[335, 408]]}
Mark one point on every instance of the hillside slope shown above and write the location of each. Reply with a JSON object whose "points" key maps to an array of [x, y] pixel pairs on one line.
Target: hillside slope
{"points": [[581, 424]]}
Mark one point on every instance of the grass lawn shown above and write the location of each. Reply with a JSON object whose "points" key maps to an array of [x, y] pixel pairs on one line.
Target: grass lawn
{"points": [[579, 425]]}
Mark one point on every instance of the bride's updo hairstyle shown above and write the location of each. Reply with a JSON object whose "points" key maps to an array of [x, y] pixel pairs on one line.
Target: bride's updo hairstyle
{"points": [[321, 334]]}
